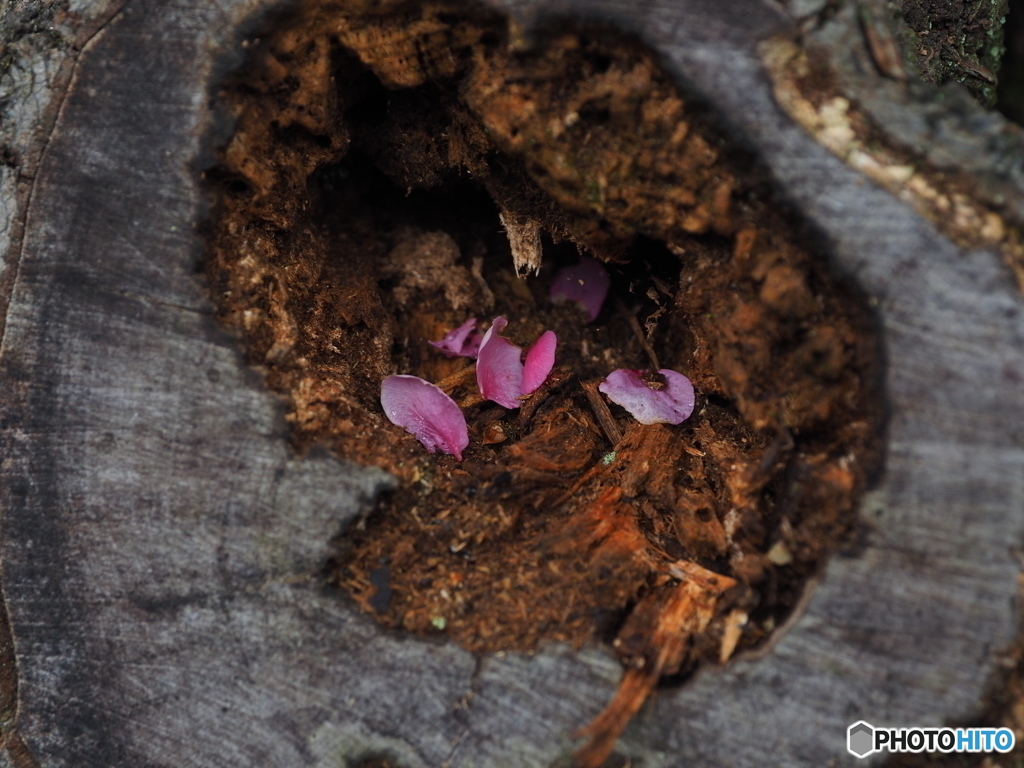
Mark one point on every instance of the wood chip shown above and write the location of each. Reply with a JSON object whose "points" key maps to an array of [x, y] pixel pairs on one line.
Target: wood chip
{"points": [[732, 633]]}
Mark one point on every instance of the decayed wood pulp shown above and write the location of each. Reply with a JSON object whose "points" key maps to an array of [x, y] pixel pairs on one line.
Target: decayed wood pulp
{"points": [[157, 535]]}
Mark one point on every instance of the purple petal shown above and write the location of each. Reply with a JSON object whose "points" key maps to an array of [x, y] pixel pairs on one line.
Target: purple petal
{"points": [[499, 370], [585, 283], [648, 405], [425, 411], [540, 359], [464, 341]]}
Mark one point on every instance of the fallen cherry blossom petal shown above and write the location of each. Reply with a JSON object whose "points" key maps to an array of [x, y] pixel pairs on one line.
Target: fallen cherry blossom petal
{"points": [[499, 369], [464, 341], [586, 283], [540, 359], [671, 405], [426, 412]]}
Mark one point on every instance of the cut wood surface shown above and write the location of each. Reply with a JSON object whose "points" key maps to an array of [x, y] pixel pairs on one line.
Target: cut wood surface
{"points": [[160, 543]]}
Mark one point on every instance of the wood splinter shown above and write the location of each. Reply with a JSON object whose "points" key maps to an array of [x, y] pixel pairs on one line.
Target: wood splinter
{"points": [[601, 410], [677, 611]]}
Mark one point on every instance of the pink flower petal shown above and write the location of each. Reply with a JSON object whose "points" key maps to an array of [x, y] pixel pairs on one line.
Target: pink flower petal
{"points": [[671, 405], [464, 341], [425, 411], [585, 283], [499, 369], [540, 359]]}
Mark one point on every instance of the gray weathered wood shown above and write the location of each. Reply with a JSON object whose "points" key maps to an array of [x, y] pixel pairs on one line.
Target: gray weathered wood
{"points": [[158, 536]]}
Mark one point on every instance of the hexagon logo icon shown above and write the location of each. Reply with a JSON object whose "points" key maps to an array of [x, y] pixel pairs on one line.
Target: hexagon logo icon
{"points": [[860, 739]]}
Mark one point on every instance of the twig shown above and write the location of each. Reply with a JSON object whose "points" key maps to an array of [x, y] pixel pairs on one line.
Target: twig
{"points": [[604, 416], [449, 383], [457, 379], [555, 381], [473, 398], [638, 331]]}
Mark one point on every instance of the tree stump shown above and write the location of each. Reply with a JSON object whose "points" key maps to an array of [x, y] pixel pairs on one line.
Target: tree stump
{"points": [[160, 543]]}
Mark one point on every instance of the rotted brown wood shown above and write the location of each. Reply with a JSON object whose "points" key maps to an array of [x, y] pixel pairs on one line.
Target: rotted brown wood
{"points": [[160, 544]]}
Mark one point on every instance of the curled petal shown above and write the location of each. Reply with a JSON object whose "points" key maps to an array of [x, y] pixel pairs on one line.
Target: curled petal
{"points": [[585, 283], [670, 403], [540, 359], [425, 411], [499, 370], [464, 341]]}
